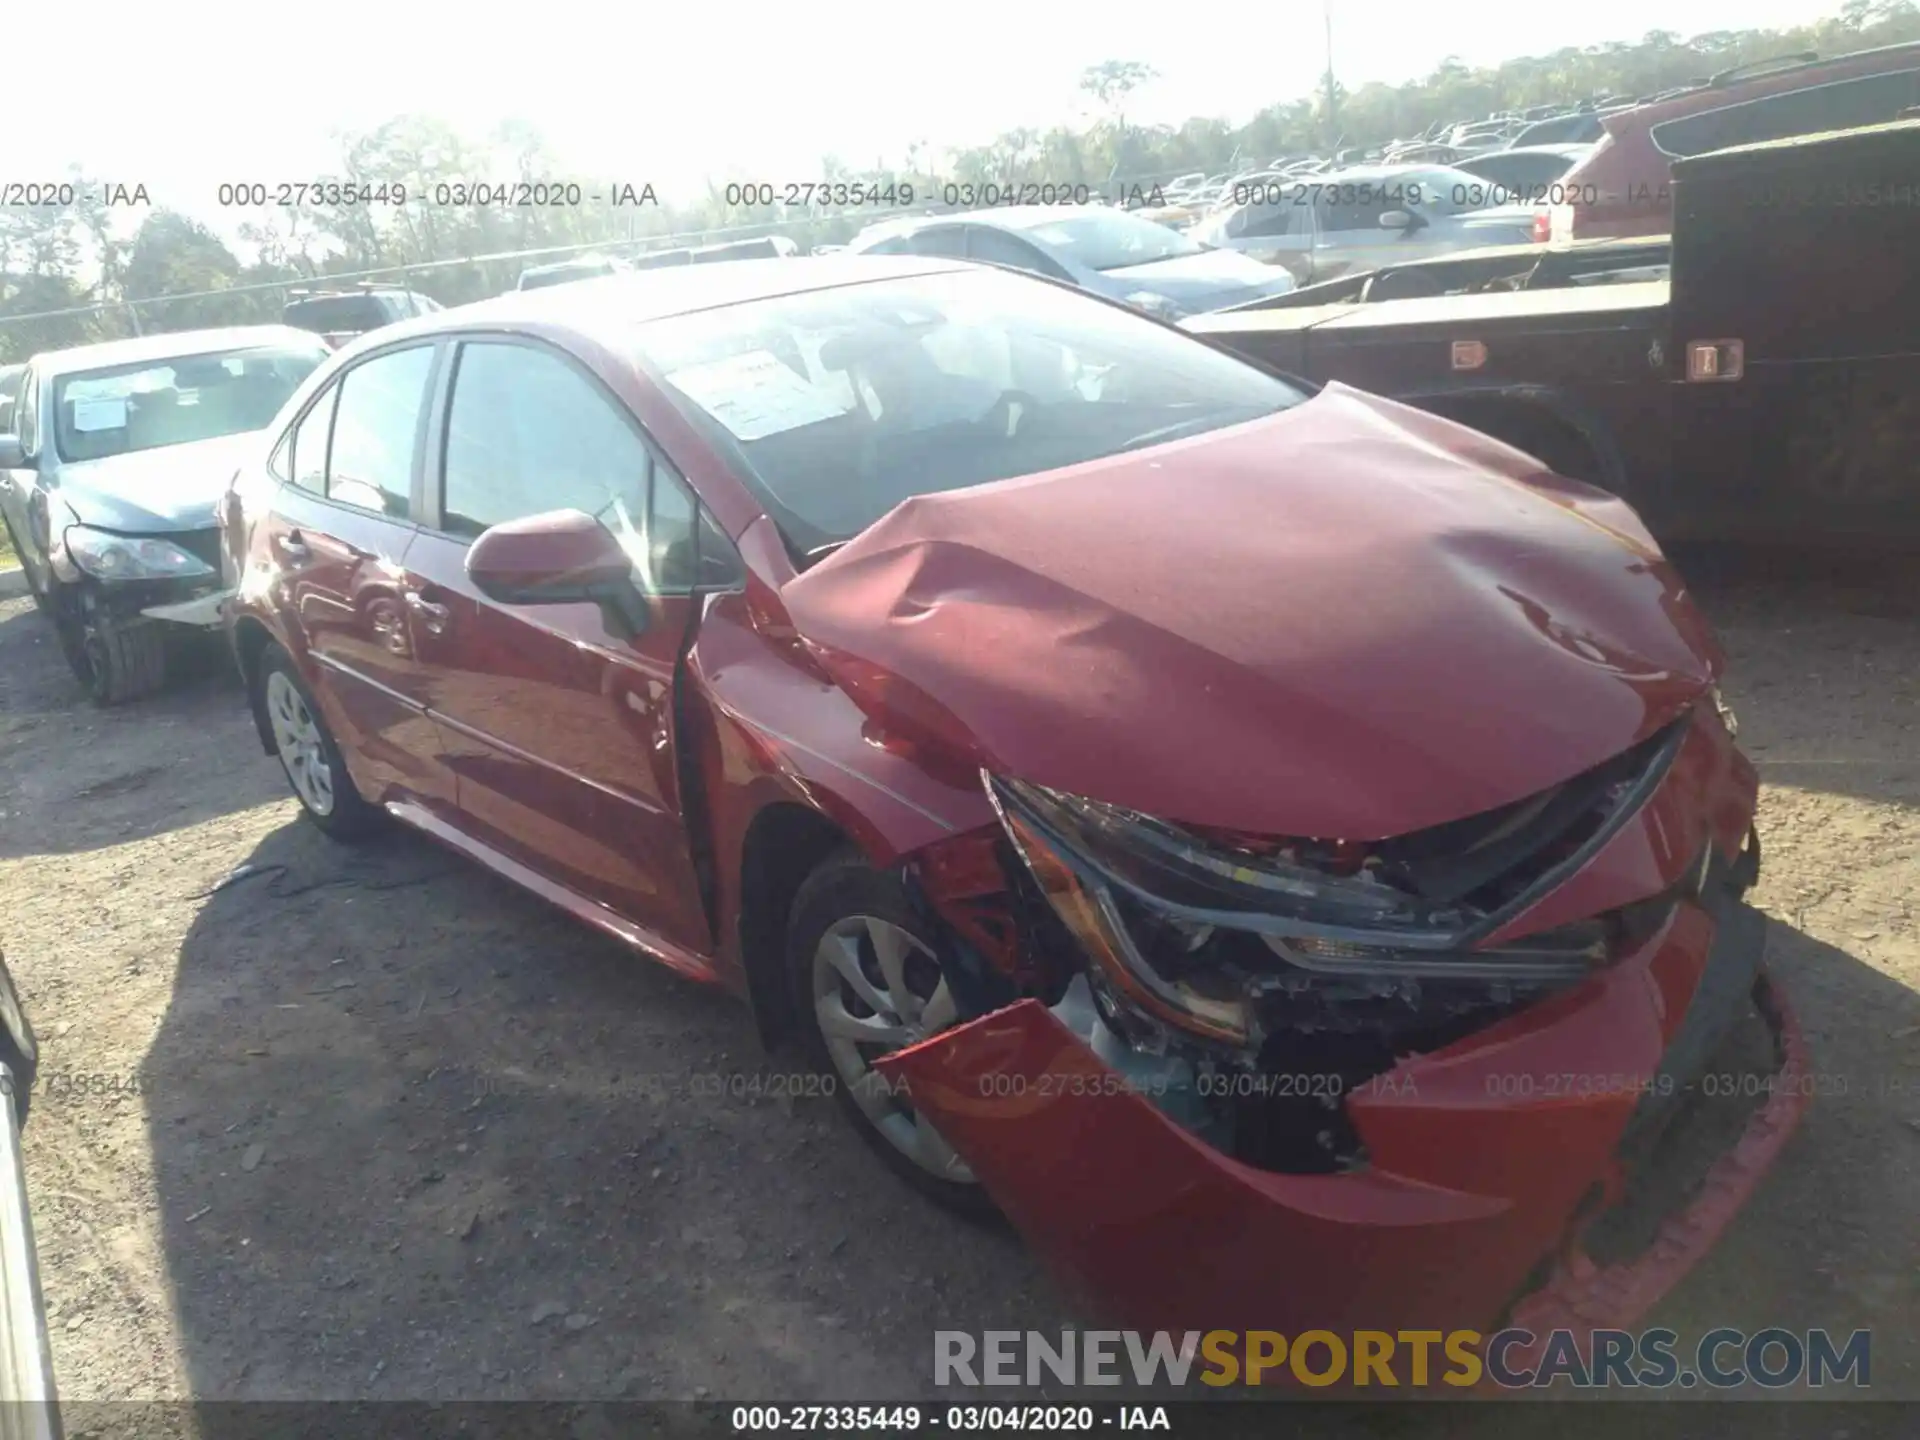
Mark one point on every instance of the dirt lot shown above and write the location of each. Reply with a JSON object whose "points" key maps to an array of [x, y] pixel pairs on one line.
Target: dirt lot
{"points": [[377, 1125]]}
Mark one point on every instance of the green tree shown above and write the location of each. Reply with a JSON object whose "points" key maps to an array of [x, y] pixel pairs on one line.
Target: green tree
{"points": [[175, 255]]}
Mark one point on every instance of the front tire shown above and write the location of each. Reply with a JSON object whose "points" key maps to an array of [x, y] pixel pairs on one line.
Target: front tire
{"points": [[114, 659], [865, 982], [308, 752]]}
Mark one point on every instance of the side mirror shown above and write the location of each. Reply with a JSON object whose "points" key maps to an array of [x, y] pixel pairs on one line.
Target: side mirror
{"points": [[563, 557], [1398, 220], [12, 457]]}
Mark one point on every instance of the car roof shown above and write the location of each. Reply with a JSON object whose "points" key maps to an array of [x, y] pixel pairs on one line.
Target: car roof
{"points": [[1569, 148], [606, 308], [110, 353], [1732, 90], [999, 217], [577, 262], [1382, 172], [301, 294]]}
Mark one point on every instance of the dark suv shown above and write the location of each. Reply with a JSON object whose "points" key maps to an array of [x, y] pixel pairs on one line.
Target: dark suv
{"points": [[339, 315]]}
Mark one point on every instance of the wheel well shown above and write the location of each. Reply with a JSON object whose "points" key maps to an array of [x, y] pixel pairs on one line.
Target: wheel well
{"points": [[783, 846], [250, 638], [1530, 426]]}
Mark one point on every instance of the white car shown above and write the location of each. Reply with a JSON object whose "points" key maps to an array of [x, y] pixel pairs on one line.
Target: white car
{"points": [[1321, 226], [1110, 252]]}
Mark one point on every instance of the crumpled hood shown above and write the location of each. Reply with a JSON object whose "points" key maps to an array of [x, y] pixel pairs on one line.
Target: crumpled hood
{"points": [[1348, 620], [172, 487]]}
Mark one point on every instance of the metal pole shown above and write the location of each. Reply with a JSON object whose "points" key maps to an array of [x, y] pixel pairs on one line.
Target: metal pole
{"points": [[1333, 103]]}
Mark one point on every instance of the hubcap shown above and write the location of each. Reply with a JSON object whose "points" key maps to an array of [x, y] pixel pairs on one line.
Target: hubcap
{"points": [[297, 735], [877, 989]]}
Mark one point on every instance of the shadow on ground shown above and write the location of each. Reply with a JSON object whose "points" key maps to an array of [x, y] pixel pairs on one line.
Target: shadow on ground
{"points": [[95, 777], [1823, 664], [415, 1134]]}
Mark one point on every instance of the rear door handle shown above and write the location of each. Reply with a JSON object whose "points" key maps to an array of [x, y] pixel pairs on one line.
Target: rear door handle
{"points": [[433, 618], [292, 547]]}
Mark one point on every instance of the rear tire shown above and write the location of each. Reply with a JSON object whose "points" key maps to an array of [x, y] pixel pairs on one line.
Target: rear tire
{"points": [[315, 769], [835, 969]]}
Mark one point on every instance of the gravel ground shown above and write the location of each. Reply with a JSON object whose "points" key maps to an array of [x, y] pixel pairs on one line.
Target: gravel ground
{"points": [[377, 1125]]}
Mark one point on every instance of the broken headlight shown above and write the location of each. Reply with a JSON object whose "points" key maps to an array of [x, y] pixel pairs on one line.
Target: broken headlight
{"points": [[1195, 930], [130, 557]]}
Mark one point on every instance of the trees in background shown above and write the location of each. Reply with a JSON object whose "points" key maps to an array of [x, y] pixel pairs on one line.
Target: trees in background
{"points": [[60, 264]]}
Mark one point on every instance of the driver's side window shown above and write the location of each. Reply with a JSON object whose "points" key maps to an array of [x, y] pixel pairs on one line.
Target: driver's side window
{"points": [[1354, 215], [528, 432], [1270, 220]]}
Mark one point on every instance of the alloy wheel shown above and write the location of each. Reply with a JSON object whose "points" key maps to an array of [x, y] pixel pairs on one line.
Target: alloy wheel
{"points": [[303, 750], [877, 989]]}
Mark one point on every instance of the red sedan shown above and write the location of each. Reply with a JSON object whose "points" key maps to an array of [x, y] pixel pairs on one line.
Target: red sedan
{"points": [[1286, 849]]}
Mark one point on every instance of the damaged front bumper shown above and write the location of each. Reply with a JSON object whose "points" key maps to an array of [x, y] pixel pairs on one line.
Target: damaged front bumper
{"points": [[1538, 1165], [206, 610], [1489, 1161]]}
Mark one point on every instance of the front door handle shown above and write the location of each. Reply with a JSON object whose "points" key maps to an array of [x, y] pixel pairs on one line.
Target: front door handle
{"points": [[433, 618], [292, 547]]}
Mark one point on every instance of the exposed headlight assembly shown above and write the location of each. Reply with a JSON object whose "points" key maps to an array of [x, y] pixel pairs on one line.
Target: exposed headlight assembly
{"points": [[1148, 901], [130, 557]]}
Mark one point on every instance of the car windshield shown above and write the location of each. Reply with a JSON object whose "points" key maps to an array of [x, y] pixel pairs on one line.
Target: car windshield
{"points": [[838, 404], [1111, 240], [175, 401]]}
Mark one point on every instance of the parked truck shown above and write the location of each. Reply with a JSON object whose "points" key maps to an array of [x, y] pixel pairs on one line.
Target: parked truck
{"points": [[1754, 376]]}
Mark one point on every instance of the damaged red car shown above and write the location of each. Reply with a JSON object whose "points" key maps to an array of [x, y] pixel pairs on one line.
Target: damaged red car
{"points": [[1284, 848]]}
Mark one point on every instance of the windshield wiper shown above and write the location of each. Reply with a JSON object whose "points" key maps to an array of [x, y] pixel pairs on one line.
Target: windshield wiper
{"points": [[819, 552], [1173, 431]]}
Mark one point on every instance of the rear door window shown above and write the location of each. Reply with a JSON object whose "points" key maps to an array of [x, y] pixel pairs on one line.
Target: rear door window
{"points": [[306, 462]]}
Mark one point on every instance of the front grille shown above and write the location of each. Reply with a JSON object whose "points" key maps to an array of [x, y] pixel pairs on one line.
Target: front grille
{"points": [[1490, 860]]}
